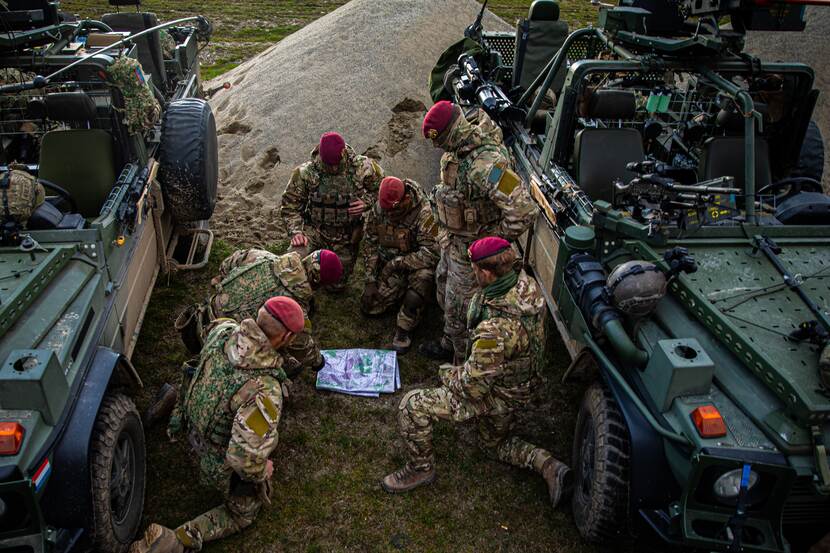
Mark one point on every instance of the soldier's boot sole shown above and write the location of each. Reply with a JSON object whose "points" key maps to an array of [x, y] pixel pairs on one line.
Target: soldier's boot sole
{"points": [[157, 539], [162, 406], [404, 480]]}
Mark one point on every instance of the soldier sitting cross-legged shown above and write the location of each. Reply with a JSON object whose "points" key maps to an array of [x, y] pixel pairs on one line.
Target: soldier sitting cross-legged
{"points": [[229, 411], [400, 253], [499, 378]]}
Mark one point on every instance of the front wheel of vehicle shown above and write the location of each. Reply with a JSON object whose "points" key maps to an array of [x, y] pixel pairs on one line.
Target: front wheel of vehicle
{"points": [[600, 463], [117, 466]]}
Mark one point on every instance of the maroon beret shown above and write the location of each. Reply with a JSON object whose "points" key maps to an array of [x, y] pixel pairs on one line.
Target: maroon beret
{"points": [[331, 148], [286, 311], [486, 247], [391, 192], [331, 269], [437, 119]]}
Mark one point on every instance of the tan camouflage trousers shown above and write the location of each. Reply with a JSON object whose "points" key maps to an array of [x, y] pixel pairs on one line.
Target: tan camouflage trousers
{"points": [[345, 245], [456, 285], [392, 289], [420, 409], [233, 516]]}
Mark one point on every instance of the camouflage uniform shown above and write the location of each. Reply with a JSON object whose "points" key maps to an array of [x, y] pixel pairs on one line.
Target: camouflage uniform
{"points": [[141, 109], [316, 203], [229, 410], [410, 241], [478, 196], [499, 377]]}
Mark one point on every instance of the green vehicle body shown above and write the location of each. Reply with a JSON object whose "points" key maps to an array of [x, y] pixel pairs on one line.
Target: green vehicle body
{"points": [[72, 300], [719, 336]]}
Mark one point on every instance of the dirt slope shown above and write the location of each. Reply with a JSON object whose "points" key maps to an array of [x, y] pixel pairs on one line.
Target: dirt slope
{"points": [[810, 47], [361, 70]]}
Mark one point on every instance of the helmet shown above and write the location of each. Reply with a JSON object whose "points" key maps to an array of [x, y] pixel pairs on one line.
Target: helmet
{"points": [[635, 287]]}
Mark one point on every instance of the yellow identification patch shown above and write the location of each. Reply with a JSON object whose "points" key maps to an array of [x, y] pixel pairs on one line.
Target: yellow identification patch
{"points": [[485, 343], [508, 182], [270, 408], [432, 228], [307, 325], [256, 422]]}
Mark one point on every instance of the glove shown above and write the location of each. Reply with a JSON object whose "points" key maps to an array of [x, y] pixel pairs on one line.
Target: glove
{"points": [[370, 294], [394, 264]]}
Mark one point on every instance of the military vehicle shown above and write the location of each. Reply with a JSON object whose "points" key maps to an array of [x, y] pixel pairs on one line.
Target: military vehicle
{"points": [[125, 154], [683, 248]]}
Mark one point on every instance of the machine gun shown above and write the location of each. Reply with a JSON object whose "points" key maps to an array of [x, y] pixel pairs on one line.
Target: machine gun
{"points": [[471, 86]]}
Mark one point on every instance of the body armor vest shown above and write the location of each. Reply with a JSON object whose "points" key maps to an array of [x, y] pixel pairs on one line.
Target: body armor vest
{"points": [[395, 238], [461, 207], [215, 382], [328, 205]]}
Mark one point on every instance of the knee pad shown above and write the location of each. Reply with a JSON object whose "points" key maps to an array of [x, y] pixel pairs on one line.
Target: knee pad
{"points": [[412, 300]]}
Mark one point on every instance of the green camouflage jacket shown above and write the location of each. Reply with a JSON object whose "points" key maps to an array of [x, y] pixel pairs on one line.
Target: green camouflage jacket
{"points": [[232, 403], [359, 178], [247, 278], [416, 230], [506, 346], [476, 176]]}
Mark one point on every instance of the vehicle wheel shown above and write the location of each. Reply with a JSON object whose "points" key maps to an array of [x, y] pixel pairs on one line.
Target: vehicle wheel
{"points": [[189, 160], [811, 158], [600, 463], [117, 466]]}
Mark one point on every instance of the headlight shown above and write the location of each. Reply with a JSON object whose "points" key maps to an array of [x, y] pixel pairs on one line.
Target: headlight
{"points": [[728, 485]]}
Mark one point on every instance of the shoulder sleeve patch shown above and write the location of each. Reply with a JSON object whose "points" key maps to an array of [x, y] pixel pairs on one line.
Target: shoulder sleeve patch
{"points": [[507, 180], [256, 422], [485, 344], [307, 325]]}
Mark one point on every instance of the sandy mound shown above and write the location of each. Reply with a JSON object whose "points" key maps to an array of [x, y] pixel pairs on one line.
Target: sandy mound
{"points": [[361, 70], [810, 47]]}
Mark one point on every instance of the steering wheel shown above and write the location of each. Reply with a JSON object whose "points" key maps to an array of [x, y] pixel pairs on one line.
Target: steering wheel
{"points": [[62, 192], [790, 187]]}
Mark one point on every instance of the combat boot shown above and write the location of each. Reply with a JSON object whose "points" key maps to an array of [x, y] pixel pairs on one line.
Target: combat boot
{"points": [[435, 349], [406, 479], [559, 479], [162, 406], [157, 539], [402, 341]]}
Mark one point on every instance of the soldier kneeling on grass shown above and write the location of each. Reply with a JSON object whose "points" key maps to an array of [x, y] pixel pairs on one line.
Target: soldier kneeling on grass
{"points": [[499, 377], [400, 253], [229, 411], [249, 277]]}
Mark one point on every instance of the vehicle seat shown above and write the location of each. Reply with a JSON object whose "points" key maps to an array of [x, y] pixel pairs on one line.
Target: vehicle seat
{"points": [[149, 46], [538, 39], [82, 162], [601, 154], [723, 156]]}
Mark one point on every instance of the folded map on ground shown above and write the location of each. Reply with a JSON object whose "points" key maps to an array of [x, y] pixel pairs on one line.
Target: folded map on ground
{"points": [[360, 372]]}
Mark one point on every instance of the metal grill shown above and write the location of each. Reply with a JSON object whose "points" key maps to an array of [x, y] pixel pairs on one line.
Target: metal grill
{"points": [[805, 506], [586, 47], [503, 43]]}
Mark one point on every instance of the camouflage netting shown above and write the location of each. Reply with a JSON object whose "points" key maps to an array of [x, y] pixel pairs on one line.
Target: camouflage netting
{"points": [[284, 99], [141, 109], [168, 45], [20, 195]]}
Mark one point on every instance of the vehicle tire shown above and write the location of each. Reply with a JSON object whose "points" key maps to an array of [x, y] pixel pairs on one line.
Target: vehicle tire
{"points": [[811, 158], [117, 467], [600, 463], [189, 160]]}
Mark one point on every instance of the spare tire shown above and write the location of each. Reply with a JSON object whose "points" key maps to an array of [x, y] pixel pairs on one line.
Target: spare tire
{"points": [[189, 160]]}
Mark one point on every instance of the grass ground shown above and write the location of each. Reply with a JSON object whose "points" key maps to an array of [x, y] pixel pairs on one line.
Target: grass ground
{"points": [[334, 449]]}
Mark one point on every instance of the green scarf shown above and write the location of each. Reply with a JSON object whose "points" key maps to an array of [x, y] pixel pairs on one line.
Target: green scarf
{"points": [[501, 285], [495, 289]]}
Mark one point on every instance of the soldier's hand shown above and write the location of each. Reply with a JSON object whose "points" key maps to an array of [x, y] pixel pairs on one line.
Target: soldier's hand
{"points": [[356, 208], [299, 240], [269, 469]]}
